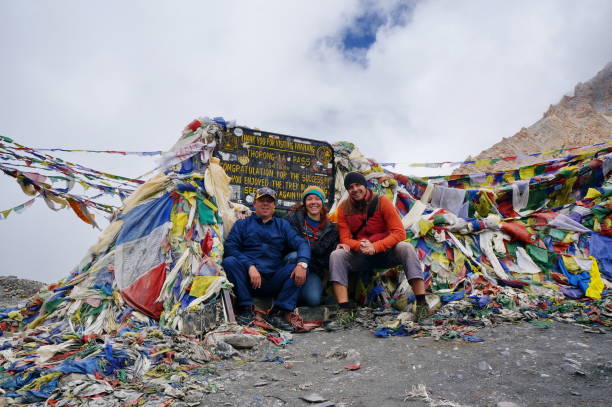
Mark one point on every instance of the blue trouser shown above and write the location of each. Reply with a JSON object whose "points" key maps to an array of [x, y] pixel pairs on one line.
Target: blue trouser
{"points": [[278, 284], [312, 290]]}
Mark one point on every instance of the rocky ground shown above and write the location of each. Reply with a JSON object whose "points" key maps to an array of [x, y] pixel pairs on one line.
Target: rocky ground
{"points": [[517, 365], [13, 289]]}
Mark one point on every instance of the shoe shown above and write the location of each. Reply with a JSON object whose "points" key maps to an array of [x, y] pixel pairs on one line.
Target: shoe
{"points": [[344, 319], [350, 305], [277, 320], [246, 316], [421, 314]]}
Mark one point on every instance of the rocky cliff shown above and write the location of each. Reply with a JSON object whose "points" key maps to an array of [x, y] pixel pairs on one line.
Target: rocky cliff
{"points": [[579, 120]]}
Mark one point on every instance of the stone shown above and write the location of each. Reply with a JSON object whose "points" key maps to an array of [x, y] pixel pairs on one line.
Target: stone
{"points": [[313, 398], [320, 313], [243, 341], [571, 368]]}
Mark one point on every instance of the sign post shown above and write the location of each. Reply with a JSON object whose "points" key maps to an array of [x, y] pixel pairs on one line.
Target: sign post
{"points": [[254, 159]]}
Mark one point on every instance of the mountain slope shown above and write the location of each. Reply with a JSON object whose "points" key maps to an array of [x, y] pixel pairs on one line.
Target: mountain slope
{"points": [[579, 120]]}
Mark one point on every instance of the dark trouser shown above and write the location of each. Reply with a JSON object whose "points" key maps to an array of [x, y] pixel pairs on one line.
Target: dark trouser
{"points": [[277, 284], [342, 262], [312, 290]]}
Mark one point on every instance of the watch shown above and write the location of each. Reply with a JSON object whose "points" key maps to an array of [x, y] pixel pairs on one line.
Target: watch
{"points": [[303, 264]]}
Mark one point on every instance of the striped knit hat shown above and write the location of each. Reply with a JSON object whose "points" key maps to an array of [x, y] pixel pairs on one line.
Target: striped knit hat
{"points": [[313, 190]]}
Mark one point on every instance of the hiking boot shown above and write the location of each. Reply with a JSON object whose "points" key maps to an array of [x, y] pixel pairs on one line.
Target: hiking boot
{"points": [[344, 319], [350, 305], [245, 316], [421, 314], [277, 320]]}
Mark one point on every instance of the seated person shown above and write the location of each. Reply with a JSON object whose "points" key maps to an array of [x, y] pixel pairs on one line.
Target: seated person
{"points": [[371, 236], [309, 219], [254, 263]]}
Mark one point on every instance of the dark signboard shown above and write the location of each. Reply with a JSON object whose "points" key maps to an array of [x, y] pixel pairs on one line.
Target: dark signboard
{"points": [[255, 159]]}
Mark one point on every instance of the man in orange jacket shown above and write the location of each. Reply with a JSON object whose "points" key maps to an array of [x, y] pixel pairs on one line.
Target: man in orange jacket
{"points": [[371, 236]]}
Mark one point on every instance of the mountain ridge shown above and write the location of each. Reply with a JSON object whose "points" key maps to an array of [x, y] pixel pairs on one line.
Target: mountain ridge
{"points": [[583, 119]]}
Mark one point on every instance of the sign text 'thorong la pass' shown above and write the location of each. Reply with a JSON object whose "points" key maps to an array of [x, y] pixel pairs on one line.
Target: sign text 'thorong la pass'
{"points": [[255, 159]]}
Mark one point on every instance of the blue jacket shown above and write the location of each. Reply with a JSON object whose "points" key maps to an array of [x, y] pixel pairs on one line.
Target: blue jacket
{"points": [[264, 245]]}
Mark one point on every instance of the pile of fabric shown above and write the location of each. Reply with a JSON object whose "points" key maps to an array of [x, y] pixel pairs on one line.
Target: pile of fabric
{"points": [[118, 319], [534, 243], [530, 244]]}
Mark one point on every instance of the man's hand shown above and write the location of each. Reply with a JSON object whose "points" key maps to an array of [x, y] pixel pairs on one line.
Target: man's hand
{"points": [[255, 277], [366, 247], [344, 247], [299, 274]]}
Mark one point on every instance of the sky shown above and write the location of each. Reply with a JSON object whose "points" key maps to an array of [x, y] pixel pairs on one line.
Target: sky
{"points": [[406, 81]]}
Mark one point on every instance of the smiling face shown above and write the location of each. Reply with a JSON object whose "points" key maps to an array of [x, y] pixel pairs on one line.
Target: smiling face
{"points": [[313, 205], [264, 207], [357, 192]]}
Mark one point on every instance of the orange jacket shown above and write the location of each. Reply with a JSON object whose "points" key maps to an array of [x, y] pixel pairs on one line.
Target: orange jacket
{"points": [[385, 225]]}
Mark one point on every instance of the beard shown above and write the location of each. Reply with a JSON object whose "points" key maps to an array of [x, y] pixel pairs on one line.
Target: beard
{"points": [[361, 205]]}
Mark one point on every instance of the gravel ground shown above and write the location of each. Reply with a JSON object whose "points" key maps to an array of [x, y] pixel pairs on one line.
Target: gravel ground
{"points": [[559, 366], [516, 365]]}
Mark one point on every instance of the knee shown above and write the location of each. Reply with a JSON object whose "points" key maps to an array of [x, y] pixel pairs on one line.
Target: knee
{"points": [[311, 298], [231, 265], [338, 255], [311, 292], [406, 249]]}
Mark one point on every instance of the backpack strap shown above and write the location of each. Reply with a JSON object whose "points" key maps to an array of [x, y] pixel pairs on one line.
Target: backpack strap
{"points": [[370, 212]]}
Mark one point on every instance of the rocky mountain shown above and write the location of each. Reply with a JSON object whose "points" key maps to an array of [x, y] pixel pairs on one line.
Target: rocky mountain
{"points": [[579, 120]]}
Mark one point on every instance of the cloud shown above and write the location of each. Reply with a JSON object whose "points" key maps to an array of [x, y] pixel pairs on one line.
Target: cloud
{"points": [[406, 81]]}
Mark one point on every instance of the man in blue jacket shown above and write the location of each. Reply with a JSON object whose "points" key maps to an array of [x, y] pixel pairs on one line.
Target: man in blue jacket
{"points": [[254, 251]]}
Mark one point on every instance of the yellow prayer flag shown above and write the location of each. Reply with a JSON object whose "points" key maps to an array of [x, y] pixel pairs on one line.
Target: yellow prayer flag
{"points": [[424, 226], [200, 285], [527, 172], [179, 222], [571, 265], [190, 196], [482, 163], [16, 315], [592, 193], [596, 284], [441, 259], [509, 177]]}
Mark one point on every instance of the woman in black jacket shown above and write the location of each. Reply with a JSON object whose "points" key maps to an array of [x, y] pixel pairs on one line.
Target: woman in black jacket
{"points": [[309, 218]]}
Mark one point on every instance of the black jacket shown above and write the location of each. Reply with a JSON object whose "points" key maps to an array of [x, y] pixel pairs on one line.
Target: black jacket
{"points": [[322, 248]]}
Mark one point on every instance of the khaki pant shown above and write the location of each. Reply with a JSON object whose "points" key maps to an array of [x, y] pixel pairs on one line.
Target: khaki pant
{"points": [[341, 262]]}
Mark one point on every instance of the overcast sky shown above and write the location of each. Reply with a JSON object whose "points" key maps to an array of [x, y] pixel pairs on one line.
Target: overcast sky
{"points": [[407, 81]]}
